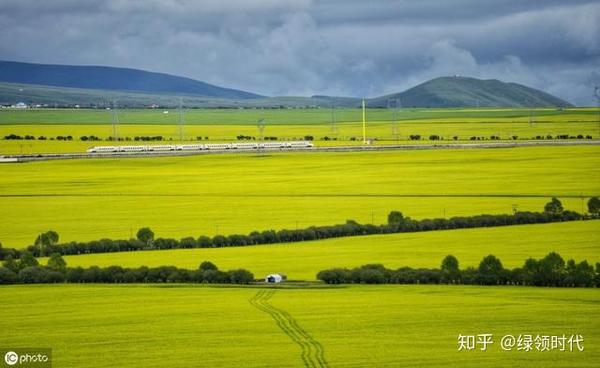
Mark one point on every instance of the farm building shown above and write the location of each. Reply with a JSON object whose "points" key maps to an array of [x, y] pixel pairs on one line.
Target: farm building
{"points": [[273, 278]]}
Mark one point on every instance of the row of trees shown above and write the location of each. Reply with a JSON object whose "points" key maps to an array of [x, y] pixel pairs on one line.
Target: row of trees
{"points": [[28, 271], [41, 137], [551, 270], [435, 137], [47, 243]]}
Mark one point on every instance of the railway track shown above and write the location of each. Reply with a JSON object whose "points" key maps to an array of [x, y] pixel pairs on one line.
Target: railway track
{"points": [[398, 147]]}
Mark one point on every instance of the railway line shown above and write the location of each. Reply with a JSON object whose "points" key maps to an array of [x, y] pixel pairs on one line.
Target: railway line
{"points": [[368, 148]]}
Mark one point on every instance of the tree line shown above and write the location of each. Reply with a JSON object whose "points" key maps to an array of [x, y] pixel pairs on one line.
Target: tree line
{"points": [[47, 243], [27, 270], [551, 270]]}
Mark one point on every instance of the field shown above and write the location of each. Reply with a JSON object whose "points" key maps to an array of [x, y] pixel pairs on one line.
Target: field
{"points": [[357, 326], [177, 197], [302, 261], [226, 125], [299, 324]]}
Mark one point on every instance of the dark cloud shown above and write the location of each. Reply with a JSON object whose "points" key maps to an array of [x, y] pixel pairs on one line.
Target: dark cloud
{"points": [[279, 47]]}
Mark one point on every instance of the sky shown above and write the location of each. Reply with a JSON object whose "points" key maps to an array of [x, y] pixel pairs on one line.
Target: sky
{"points": [[307, 47]]}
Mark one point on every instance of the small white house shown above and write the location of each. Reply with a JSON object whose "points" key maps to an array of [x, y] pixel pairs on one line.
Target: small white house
{"points": [[273, 278]]}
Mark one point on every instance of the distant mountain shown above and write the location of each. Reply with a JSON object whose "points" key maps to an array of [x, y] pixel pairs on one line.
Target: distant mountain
{"points": [[470, 92], [32, 94], [87, 86], [114, 79]]}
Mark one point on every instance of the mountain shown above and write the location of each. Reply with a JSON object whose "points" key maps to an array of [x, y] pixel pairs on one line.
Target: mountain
{"points": [[470, 92], [113, 79], [32, 94], [87, 86]]}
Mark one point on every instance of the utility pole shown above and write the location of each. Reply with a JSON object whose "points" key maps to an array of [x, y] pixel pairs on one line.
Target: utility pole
{"points": [[181, 121], [261, 128], [395, 118], [364, 123], [597, 95], [333, 120], [115, 121]]}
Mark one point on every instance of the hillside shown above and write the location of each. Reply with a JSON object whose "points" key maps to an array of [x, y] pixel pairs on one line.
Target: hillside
{"points": [[11, 93], [91, 86], [470, 92], [110, 78]]}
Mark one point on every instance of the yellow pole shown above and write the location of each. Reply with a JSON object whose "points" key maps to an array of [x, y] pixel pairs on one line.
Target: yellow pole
{"points": [[364, 123]]}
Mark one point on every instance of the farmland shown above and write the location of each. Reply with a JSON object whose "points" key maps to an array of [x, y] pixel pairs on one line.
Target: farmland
{"points": [[302, 261], [356, 326], [191, 196], [226, 125], [291, 326]]}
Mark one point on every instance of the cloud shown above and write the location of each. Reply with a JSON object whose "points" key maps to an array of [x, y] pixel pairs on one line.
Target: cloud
{"points": [[289, 47]]}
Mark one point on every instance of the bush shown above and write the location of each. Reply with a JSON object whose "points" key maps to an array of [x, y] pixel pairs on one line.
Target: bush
{"points": [[206, 266], [33, 275], [335, 276], [240, 276], [7, 276], [549, 271]]}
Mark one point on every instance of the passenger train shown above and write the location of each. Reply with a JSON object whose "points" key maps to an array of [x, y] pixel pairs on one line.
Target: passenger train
{"points": [[203, 147]]}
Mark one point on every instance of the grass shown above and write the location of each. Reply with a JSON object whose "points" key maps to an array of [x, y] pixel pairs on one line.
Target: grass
{"points": [[355, 326], [183, 196], [288, 116], [178, 325], [302, 261], [226, 125]]}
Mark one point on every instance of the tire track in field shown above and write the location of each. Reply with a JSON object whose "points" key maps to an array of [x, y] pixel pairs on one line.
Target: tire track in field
{"points": [[312, 352]]}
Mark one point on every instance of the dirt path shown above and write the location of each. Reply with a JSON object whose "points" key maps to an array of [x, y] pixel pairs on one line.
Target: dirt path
{"points": [[312, 353]]}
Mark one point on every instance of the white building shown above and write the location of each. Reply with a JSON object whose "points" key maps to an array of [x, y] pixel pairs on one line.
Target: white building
{"points": [[274, 278]]}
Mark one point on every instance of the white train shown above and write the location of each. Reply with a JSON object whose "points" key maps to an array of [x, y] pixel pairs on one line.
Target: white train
{"points": [[203, 147]]}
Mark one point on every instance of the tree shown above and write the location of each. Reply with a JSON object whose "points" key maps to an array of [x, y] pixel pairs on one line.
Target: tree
{"points": [[240, 276], [27, 260], [395, 218], [11, 264], [450, 270], [33, 275], [490, 270], [45, 240], [57, 263], [552, 269], [554, 207], [207, 265], [531, 272], [594, 206], [145, 235], [7, 276], [335, 276]]}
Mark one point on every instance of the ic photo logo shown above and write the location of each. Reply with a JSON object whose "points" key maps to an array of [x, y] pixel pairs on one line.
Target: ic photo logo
{"points": [[11, 358], [28, 357]]}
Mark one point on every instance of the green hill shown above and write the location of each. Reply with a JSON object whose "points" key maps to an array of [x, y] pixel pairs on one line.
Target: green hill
{"points": [[469, 92], [110, 78]]}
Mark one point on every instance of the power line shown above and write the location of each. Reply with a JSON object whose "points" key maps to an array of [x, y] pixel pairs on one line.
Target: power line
{"points": [[114, 121], [181, 120]]}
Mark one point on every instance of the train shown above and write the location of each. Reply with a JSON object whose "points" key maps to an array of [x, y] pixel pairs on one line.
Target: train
{"points": [[203, 147]]}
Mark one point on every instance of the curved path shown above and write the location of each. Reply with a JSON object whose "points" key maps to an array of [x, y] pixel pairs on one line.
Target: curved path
{"points": [[312, 353]]}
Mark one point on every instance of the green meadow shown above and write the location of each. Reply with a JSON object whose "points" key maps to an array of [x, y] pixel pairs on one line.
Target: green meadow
{"points": [[302, 261], [289, 116], [226, 194], [225, 125], [299, 324], [356, 326]]}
